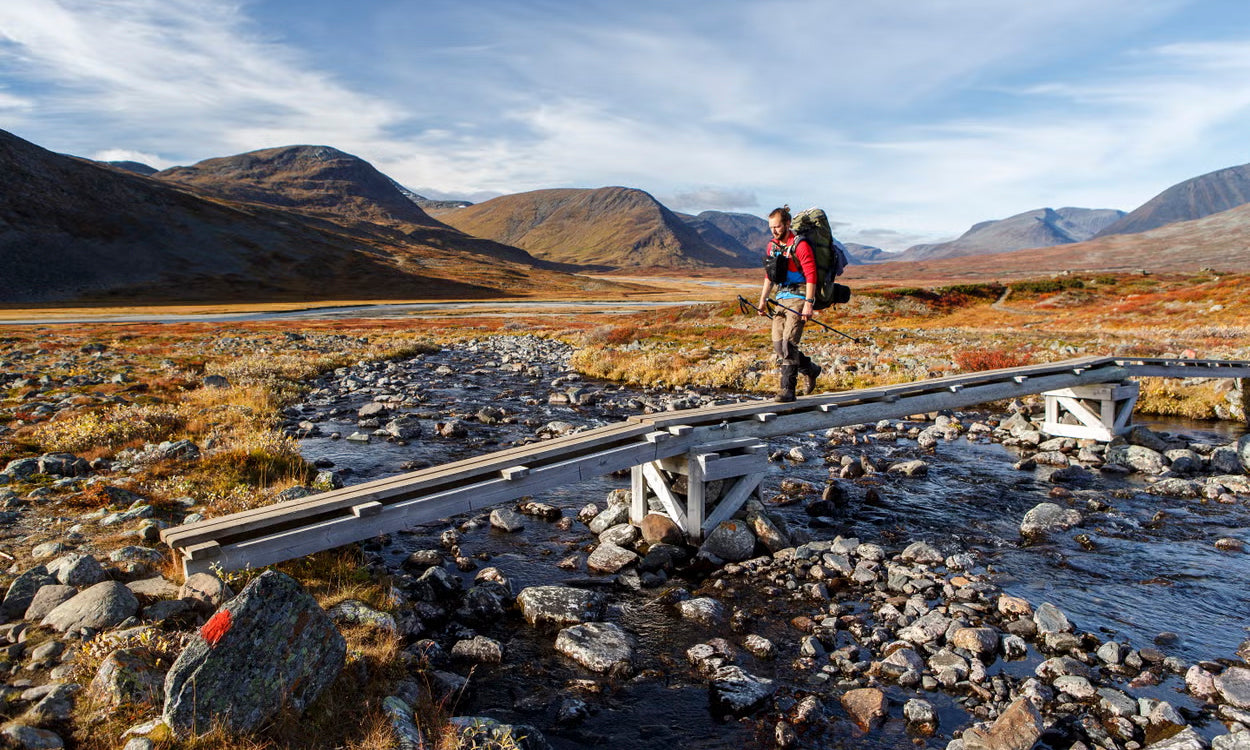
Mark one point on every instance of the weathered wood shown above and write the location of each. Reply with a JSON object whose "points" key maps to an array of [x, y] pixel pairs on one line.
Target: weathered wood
{"points": [[716, 466], [696, 497], [637, 495], [733, 500], [664, 491]]}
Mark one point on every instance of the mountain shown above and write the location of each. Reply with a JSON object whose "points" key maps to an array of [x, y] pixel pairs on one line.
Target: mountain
{"points": [[429, 204], [861, 254], [137, 167], [316, 180], [610, 228], [73, 230], [1041, 227], [1192, 199], [1220, 241]]}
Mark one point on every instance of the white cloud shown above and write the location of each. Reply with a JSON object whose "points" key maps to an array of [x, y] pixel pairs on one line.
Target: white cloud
{"points": [[122, 154]]}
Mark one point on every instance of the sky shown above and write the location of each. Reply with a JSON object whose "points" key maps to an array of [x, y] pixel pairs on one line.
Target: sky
{"points": [[906, 120]]}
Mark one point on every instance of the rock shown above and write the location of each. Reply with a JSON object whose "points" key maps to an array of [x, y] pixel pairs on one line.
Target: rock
{"points": [[922, 553], [1142, 436], [927, 628], [1141, 459], [598, 646], [1235, 741], [866, 706], [356, 612], [759, 646], [373, 410], [1176, 487], [129, 676], [1046, 518], [1050, 619], [768, 532], [1062, 665], [1233, 686], [622, 534], [63, 465], [731, 541], [609, 558], [407, 735], [479, 649], [55, 704], [703, 610], [32, 738], [1200, 683], [223, 678], [736, 691], [207, 589], [980, 641], [1075, 686], [559, 605], [482, 733], [507, 520], [1224, 460], [914, 468], [1186, 739], [1019, 727], [47, 599], [156, 587], [1243, 453], [611, 516], [660, 528], [104, 605], [76, 569], [23, 589], [404, 428], [921, 717]]}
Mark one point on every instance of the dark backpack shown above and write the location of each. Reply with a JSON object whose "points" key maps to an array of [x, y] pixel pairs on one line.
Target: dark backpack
{"points": [[831, 257]]}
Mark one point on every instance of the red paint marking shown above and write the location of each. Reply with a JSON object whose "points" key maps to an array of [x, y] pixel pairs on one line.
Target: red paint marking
{"points": [[217, 626]]}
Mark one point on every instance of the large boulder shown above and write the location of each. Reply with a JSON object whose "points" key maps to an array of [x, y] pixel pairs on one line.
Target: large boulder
{"points": [[104, 605], [268, 648], [1017, 728], [129, 676], [1137, 457], [23, 589], [1243, 452]]}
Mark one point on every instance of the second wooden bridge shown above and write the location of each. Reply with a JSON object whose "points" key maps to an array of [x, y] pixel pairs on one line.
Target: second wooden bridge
{"points": [[706, 444]]}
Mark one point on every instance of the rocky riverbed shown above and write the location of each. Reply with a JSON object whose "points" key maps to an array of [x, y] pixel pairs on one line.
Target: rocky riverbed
{"points": [[957, 580]]}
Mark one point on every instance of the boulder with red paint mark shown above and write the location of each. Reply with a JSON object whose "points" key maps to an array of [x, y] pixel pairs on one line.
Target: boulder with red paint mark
{"points": [[279, 650]]}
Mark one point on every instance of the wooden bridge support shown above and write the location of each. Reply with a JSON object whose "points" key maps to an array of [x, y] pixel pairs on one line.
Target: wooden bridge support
{"points": [[719, 478], [1097, 412]]}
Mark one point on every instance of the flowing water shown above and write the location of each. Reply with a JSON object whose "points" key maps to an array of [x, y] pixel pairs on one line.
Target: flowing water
{"points": [[1148, 567]]}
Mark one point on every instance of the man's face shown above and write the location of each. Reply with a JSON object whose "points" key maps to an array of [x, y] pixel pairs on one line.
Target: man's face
{"points": [[777, 227]]}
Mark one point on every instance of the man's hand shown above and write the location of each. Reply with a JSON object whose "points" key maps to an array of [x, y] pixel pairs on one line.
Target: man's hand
{"points": [[762, 308], [808, 310]]}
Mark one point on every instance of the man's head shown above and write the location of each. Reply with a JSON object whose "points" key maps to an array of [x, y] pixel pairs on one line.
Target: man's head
{"points": [[779, 222]]}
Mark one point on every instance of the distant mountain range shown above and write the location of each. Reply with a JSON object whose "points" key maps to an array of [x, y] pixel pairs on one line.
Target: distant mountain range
{"points": [[312, 222], [1041, 227], [72, 230], [605, 228]]}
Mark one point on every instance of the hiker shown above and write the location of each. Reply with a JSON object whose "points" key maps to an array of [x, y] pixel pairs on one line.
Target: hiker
{"points": [[794, 259]]}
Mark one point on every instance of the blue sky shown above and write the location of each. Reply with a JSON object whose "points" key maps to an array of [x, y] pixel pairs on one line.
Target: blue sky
{"points": [[907, 120]]}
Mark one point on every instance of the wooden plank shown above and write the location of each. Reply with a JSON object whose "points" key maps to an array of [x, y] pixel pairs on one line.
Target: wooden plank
{"points": [[696, 499], [1078, 431], [390, 489], [1082, 413], [366, 509], [660, 486], [726, 467], [732, 501], [514, 472], [637, 495], [203, 551]]}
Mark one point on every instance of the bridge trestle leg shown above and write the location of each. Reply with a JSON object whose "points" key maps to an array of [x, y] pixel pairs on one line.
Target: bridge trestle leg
{"points": [[1095, 412], [701, 488]]}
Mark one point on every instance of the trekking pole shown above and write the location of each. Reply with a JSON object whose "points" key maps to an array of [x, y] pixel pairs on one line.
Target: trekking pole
{"points": [[744, 303], [772, 302]]}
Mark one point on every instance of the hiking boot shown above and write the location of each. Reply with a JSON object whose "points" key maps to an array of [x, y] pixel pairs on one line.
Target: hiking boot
{"points": [[810, 373], [789, 376]]}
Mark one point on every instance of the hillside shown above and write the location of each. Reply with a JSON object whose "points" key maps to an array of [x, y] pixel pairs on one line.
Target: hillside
{"points": [[1219, 241], [1192, 199], [1041, 227], [609, 228], [72, 230]]}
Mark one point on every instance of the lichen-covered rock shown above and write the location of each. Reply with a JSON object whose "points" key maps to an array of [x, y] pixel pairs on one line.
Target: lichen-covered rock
{"points": [[104, 605], [598, 646], [76, 569], [1046, 518], [559, 605], [129, 676], [1018, 728], [268, 648], [736, 691], [866, 706]]}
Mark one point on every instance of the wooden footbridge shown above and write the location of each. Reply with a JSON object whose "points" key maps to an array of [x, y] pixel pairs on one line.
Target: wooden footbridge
{"points": [[1088, 397]]}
